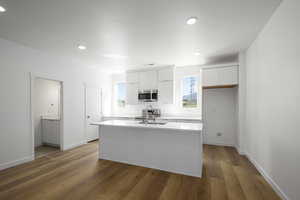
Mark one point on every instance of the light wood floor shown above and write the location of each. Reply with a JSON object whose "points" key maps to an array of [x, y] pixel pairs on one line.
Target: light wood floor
{"points": [[78, 174]]}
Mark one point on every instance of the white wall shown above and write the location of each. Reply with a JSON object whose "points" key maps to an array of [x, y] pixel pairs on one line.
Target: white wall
{"points": [[273, 99], [219, 116], [46, 103], [16, 62], [166, 109]]}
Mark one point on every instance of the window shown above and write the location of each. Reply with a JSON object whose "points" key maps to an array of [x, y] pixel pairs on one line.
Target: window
{"points": [[190, 92], [121, 94]]}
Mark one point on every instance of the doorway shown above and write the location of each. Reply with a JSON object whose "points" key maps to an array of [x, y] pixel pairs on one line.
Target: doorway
{"points": [[93, 112], [47, 106]]}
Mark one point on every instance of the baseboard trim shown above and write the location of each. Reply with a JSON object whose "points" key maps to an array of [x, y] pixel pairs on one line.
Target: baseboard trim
{"points": [[219, 144], [71, 146], [16, 162], [241, 152], [273, 184]]}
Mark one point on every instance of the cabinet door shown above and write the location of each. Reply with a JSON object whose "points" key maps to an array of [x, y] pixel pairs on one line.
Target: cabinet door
{"points": [[209, 77], [220, 76], [148, 80], [132, 93], [166, 74], [228, 75], [166, 92], [51, 132], [132, 77]]}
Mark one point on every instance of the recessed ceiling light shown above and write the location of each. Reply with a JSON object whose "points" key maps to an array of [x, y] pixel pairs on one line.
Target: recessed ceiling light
{"points": [[191, 20], [81, 47], [2, 9]]}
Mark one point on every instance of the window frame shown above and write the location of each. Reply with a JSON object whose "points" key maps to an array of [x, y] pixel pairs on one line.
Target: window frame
{"points": [[197, 89], [117, 105]]}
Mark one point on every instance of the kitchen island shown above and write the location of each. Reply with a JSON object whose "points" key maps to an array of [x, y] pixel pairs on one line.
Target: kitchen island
{"points": [[174, 146]]}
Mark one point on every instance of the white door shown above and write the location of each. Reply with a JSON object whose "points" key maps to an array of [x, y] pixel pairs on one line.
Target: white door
{"points": [[93, 112]]}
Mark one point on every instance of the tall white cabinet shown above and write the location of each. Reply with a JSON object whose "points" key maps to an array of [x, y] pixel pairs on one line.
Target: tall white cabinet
{"points": [[166, 86], [132, 90], [132, 87]]}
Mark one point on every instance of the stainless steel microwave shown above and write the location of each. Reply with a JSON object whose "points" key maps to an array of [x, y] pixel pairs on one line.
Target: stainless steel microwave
{"points": [[148, 95]]}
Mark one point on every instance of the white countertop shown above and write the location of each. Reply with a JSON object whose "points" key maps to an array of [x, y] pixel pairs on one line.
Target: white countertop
{"points": [[169, 125], [163, 117], [180, 118]]}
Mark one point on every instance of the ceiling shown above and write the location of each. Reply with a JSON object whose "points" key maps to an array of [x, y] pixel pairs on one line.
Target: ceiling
{"points": [[123, 34]]}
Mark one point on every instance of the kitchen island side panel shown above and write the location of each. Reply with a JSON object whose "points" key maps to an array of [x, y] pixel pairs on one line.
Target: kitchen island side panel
{"points": [[169, 150]]}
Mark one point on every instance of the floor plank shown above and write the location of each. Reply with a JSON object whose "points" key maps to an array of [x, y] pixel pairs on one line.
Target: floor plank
{"points": [[233, 186], [248, 185], [79, 174], [218, 186]]}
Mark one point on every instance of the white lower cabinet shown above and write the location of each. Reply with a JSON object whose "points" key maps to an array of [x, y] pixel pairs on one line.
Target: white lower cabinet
{"points": [[166, 92], [51, 132]]}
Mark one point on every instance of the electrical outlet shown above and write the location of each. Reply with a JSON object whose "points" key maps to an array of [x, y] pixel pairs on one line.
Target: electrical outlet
{"points": [[219, 134]]}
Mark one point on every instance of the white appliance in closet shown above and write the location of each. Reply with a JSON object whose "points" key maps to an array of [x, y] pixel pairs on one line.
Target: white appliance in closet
{"points": [[51, 131]]}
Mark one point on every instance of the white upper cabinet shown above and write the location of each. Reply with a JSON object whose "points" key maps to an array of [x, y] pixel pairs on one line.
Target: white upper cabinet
{"points": [[166, 85], [148, 80], [132, 77], [228, 75], [166, 92], [132, 93], [209, 77], [159, 78], [223, 76], [166, 74]]}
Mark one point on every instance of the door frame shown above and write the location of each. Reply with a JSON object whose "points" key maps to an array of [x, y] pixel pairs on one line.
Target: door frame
{"points": [[33, 77], [86, 85]]}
